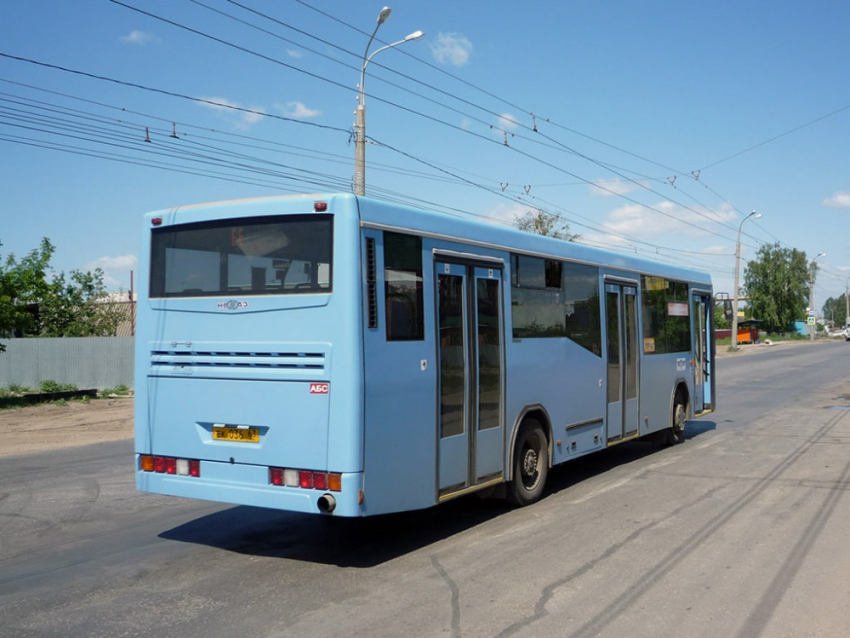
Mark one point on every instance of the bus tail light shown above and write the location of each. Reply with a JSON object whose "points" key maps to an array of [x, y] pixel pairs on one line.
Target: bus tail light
{"points": [[305, 479], [276, 475], [169, 465]]}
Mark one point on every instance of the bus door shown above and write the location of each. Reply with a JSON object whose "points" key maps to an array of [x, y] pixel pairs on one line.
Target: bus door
{"points": [[470, 353], [622, 338], [703, 364]]}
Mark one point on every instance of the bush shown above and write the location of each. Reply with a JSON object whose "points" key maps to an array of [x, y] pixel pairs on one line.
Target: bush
{"points": [[52, 386], [119, 390]]}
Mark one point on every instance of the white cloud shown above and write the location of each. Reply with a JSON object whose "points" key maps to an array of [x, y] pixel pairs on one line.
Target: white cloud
{"points": [[292, 53], [106, 264], [508, 122], [115, 269], [452, 48], [298, 110], [507, 213], [641, 222], [139, 38], [612, 187], [244, 119], [840, 199]]}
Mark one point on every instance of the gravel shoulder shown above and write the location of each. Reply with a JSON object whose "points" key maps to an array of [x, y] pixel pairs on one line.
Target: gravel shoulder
{"points": [[52, 426]]}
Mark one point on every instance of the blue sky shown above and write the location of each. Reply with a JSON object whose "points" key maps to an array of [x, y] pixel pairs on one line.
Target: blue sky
{"points": [[659, 125]]}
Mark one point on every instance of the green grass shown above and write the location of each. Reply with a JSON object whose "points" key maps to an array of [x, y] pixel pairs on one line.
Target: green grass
{"points": [[13, 396], [52, 386]]}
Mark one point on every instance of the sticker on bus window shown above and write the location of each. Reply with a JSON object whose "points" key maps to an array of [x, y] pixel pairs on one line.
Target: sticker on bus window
{"points": [[320, 388], [675, 309], [649, 344]]}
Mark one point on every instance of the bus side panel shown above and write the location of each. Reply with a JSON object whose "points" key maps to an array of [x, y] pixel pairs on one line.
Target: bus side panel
{"points": [[571, 392], [659, 375], [400, 406]]}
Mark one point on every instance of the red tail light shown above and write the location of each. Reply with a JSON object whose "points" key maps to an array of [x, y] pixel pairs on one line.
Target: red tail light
{"points": [[305, 479], [169, 465], [276, 475]]}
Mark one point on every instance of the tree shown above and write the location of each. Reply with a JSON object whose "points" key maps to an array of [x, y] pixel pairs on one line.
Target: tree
{"points": [[35, 300], [720, 320], [22, 284], [776, 285], [78, 308], [540, 222], [835, 310]]}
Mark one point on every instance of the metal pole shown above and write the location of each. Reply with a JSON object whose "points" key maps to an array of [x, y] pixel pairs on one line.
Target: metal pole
{"points": [[735, 297], [812, 297], [734, 346], [847, 303], [812, 301], [360, 121], [360, 113]]}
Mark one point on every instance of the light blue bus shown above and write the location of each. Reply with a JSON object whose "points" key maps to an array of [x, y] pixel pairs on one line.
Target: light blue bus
{"points": [[344, 356]]}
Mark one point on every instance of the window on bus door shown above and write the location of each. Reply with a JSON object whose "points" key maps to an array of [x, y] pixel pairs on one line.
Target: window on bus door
{"points": [[251, 256], [403, 287], [550, 298], [666, 316]]}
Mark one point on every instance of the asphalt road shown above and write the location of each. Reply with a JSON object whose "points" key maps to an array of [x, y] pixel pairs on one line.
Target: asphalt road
{"points": [[741, 531]]}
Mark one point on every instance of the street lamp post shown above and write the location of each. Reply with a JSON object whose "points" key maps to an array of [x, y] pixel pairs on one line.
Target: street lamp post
{"points": [[360, 113], [753, 215], [847, 306], [814, 326]]}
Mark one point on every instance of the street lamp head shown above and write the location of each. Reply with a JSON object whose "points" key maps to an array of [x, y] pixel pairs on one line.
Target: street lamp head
{"points": [[414, 36], [385, 13]]}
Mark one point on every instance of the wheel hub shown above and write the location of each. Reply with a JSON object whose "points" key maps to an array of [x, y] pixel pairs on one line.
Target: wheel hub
{"points": [[529, 462]]}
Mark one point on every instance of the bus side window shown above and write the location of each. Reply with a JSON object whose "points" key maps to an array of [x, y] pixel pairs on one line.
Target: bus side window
{"points": [[403, 287]]}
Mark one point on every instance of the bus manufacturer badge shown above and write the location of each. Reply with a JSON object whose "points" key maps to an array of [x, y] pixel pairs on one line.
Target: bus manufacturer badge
{"points": [[231, 305], [320, 388]]}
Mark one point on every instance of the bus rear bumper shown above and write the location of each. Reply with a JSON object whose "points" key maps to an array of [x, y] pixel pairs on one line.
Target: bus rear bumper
{"points": [[250, 485]]}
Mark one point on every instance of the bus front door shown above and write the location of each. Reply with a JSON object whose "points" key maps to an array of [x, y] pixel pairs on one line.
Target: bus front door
{"points": [[621, 339], [470, 355], [703, 364]]}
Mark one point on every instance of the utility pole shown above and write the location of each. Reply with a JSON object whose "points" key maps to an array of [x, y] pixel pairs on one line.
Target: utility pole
{"points": [[753, 215], [847, 303], [360, 113], [812, 312]]}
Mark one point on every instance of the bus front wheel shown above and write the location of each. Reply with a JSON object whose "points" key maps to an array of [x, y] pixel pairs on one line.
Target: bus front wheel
{"points": [[676, 432], [531, 464]]}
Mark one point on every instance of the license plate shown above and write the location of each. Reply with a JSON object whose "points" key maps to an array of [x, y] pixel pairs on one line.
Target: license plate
{"points": [[241, 435]]}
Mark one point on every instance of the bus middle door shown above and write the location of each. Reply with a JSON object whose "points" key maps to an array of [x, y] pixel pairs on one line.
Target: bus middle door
{"points": [[470, 353], [621, 340]]}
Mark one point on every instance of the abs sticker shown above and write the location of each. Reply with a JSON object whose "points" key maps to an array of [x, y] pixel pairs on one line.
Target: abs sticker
{"points": [[320, 388]]}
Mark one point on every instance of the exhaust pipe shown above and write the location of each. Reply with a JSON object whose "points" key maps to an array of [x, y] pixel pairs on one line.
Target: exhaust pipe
{"points": [[327, 503]]}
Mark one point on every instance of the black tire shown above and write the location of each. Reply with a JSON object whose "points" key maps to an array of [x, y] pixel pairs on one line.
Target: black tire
{"points": [[676, 431], [531, 464]]}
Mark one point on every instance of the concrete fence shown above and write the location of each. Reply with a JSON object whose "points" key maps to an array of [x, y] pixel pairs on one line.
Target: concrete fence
{"points": [[87, 362]]}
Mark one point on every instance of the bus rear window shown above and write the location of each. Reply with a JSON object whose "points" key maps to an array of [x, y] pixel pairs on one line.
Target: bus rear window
{"points": [[253, 256]]}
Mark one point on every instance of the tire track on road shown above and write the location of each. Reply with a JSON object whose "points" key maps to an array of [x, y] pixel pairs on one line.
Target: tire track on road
{"points": [[639, 589], [764, 610], [594, 626]]}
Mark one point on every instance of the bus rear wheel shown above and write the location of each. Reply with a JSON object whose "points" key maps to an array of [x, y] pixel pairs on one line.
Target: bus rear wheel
{"points": [[531, 464], [676, 431]]}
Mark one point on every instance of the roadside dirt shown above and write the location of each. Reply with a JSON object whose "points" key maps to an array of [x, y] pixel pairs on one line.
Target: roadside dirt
{"points": [[53, 426]]}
